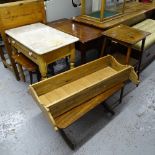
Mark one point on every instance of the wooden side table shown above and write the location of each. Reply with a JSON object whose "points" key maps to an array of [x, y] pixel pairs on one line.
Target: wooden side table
{"points": [[128, 37]]}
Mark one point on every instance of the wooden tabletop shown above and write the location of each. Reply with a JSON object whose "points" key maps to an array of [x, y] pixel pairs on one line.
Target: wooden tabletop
{"points": [[85, 33], [41, 38], [125, 34]]}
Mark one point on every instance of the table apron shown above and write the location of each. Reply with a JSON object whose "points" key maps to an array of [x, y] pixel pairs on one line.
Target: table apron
{"points": [[57, 54], [22, 49], [47, 57]]}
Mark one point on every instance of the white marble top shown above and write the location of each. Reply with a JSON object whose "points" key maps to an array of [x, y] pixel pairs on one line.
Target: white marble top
{"points": [[41, 38]]}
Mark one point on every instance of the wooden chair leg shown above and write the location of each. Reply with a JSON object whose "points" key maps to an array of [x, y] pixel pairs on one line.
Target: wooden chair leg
{"points": [[2, 57], [13, 63], [31, 77], [21, 72]]}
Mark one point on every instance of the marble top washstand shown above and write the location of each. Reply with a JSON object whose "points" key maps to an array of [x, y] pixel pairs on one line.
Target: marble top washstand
{"points": [[41, 38]]}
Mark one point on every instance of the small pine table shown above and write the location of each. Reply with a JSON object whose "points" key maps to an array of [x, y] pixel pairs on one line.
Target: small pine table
{"points": [[128, 37], [42, 44]]}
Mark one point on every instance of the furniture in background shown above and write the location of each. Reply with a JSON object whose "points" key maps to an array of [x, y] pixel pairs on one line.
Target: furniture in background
{"points": [[149, 53], [134, 12], [42, 44], [14, 15], [23, 62], [68, 96], [17, 14], [89, 37], [2, 55], [103, 11], [128, 37]]}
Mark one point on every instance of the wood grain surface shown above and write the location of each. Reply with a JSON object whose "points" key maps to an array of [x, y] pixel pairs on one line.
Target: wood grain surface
{"points": [[63, 93]]}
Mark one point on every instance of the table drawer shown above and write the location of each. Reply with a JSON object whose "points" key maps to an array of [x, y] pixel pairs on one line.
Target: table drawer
{"points": [[31, 55]]}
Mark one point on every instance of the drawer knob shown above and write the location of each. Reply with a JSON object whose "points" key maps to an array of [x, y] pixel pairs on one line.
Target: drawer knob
{"points": [[30, 53], [13, 42]]}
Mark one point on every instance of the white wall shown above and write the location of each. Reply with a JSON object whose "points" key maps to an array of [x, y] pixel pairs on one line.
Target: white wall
{"points": [[96, 4], [57, 9]]}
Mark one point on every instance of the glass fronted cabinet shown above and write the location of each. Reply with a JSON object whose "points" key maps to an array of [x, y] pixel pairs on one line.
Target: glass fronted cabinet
{"points": [[100, 10], [97, 12]]}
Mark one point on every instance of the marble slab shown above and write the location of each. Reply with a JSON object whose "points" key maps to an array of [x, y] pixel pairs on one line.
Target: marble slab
{"points": [[41, 38]]}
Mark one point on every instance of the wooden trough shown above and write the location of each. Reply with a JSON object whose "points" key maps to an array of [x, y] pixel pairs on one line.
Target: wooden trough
{"points": [[66, 97]]}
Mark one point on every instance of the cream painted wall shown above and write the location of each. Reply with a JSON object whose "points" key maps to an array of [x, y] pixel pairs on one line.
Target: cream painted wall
{"points": [[57, 9]]}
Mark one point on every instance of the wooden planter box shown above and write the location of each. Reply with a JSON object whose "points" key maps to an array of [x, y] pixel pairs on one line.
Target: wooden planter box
{"points": [[66, 97]]}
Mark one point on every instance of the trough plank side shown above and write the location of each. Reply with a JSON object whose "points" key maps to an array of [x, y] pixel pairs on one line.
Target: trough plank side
{"points": [[82, 96], [66, 97], [62, 79], [74, 114]]}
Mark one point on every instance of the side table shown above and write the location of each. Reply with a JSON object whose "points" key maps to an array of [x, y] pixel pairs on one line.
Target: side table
{"points": [[128, 37]]}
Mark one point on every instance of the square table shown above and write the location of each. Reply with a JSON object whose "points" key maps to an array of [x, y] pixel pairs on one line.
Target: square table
{"points": [[42, 44], [126, 36]]}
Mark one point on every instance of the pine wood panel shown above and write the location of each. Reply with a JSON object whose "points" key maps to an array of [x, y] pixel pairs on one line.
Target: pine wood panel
{"points": [[65, 96], [21, 13], [67, 77], [72, 88], [74, 114], [61, 106], [125, 35]]}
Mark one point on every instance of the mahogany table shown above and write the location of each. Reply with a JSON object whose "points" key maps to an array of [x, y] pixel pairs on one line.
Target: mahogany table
{"points": [[89, 37]]}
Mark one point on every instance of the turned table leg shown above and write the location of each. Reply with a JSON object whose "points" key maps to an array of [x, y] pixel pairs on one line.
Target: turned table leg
{"points": [[103, 47], [43, 68], [21, 72], [128, 56], [140, 57]]}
